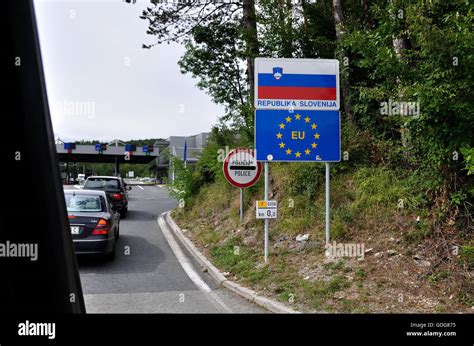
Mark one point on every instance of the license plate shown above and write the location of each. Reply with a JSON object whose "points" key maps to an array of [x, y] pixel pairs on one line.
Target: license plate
{"points": [[74, 229]]}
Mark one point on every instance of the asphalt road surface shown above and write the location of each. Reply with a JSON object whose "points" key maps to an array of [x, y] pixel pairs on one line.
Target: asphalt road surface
{"points": [[147, 276]]}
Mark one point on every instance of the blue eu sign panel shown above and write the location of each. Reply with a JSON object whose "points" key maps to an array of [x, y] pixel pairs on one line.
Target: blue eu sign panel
{"points": [[298, 135]]}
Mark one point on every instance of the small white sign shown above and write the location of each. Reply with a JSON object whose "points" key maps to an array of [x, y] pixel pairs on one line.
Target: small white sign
{"points": [[266, 209], [131, 174]]}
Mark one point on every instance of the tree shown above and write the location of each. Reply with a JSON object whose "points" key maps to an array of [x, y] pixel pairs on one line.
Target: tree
{"points": [[175, 21], [345, 81], [251, 42], [219, 38], [213, 57]]}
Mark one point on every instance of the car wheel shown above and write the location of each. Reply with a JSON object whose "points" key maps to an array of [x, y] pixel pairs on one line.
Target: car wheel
{"points": [[123, 213]]}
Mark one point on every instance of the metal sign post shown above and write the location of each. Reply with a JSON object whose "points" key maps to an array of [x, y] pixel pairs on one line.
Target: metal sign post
{"points": [[328, 234], [241, 204], [266, 220]]}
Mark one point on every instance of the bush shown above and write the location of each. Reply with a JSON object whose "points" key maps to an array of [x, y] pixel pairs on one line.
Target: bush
{"points": [[186, 183]]}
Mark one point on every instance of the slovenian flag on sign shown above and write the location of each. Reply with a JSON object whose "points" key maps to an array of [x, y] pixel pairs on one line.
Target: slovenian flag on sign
{"points": [[296, 86]]}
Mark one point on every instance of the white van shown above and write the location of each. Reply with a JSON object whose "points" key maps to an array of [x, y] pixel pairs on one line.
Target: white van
{"points": [[81, 178]]}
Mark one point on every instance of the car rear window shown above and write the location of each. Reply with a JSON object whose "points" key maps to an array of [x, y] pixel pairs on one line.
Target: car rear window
{"points": [[102, 183], [84, 203]]}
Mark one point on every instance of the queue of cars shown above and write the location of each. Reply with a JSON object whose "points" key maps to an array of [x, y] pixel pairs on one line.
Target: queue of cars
{"points": [[94, 214], [116, 189]]}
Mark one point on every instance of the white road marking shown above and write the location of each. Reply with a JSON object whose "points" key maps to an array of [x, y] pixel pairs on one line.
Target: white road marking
{"points": [[140, 187], [148, 302], [187, 266]]}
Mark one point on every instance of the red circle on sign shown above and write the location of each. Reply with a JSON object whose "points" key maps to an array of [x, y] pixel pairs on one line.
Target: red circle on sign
{"points": [[226, 165]]}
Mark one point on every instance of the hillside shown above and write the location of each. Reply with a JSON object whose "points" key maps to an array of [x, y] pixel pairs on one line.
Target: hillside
{"points": [[410, 261], [404, 189]]}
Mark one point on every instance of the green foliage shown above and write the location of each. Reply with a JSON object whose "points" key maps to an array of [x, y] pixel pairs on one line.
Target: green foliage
{"points": [[212, 57], [337, 283], [420, 231], [284, 37], [184, 185], [235, 258], [338, 226], [335, 266], [467, 255], [458, 197], [436, 277], [394, 164], [361, 274], [306, 178], [380, 188], [468, 153], [434, 68], [208, 167]]}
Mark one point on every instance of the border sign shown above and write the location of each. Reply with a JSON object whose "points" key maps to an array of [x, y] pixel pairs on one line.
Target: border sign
{"points": [[298, 135], [297, 117], [307, 84], [241, 169]]}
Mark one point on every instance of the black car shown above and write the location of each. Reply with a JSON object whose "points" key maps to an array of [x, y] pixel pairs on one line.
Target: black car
{"points": [[94, 222], [115, 188]]}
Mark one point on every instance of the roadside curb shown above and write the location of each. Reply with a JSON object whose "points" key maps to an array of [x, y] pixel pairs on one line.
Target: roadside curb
{"points": [[244, 292]]}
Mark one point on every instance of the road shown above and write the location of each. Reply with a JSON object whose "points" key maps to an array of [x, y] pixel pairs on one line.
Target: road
{"points": [[146, 276]]}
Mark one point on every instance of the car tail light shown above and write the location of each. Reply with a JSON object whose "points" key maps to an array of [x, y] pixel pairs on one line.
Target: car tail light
{"points": [[117, 195], [102, 227], [102, 223], [100, 231], [71, 217]]}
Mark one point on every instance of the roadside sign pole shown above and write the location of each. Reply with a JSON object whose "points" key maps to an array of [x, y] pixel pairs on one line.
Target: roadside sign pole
{"points": [[241, 204], [266, 220], [327, 204]]}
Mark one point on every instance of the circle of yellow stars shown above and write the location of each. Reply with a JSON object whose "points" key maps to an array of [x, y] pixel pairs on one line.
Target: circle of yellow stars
{"points": [[282, 144]]}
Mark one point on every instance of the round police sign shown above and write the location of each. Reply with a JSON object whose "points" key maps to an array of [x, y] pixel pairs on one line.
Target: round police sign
{"points": [[241, 168]]}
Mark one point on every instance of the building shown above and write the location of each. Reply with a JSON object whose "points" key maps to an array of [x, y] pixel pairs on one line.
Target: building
{"points": [[174, 147]]}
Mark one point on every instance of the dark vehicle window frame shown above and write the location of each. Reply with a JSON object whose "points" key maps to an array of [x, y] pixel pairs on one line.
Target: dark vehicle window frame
{"points": [[110, 205]]}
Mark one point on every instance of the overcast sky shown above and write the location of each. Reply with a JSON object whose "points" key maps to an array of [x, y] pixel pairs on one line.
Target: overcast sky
{"points": [[102, 85]]}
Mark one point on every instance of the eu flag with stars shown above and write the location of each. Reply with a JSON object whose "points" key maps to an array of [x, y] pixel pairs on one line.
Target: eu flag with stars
{"points": [[297, 135]]}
